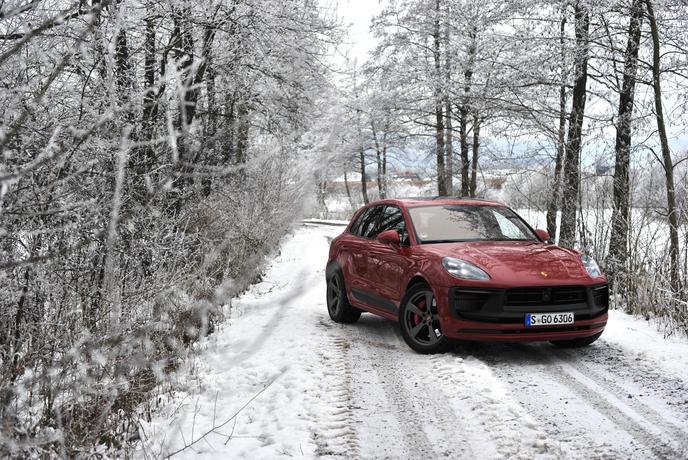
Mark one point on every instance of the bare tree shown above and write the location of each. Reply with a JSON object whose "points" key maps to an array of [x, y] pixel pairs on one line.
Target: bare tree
{"points": [[439, 116], [618, 243], [666, 159], [575, 135], [555, 196]]}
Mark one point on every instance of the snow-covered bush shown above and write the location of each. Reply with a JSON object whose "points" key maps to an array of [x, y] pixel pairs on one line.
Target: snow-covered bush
{"points": [[151, 157]]}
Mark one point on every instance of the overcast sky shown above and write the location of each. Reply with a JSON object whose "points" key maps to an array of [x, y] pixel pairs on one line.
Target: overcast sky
{"points": [[358, 13]]}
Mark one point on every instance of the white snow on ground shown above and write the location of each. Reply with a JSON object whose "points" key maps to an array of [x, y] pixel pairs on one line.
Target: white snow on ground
{"points": [[281, 379], [639, 336]]}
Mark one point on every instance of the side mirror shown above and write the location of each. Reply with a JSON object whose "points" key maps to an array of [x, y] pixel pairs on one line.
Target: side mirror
{"points": [[543, 234], [390, 237]]}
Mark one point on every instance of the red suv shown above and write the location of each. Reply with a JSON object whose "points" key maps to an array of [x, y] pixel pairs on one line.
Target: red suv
{"points": [[450, 268]]}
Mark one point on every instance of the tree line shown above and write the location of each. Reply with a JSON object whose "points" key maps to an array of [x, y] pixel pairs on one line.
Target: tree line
{"points": [[568, 82], [151, 154]]}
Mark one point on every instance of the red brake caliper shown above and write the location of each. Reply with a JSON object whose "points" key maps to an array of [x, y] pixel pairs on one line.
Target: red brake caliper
{"points": [[417, 319]]}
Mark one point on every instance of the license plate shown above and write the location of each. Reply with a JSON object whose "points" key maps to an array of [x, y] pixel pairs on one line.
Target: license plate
{"points": [[548, 319]]}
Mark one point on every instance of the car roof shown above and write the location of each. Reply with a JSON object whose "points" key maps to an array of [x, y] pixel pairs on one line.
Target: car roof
{"points": [[437, 200]]}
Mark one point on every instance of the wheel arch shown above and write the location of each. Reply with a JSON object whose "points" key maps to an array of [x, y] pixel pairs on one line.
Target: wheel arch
{"points": [[417, 279], [332, 267]]}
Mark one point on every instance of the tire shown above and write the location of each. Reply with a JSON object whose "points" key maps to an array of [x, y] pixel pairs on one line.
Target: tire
{"points": [[576, 343], [419, 321], [338, 305]]}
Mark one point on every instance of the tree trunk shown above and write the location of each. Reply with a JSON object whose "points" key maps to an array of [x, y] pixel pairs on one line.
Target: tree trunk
{"points": [[476, 152], [98, 39], [364, 183], [384, 165], [465, 109], [553, 204], [242, 133], [348, 190], [449, 144], [144, 156], [18, 319], [439, 119], [123, 75], [666, 154], [209, 145], [378, 157], [449, 147], [383, 180], [573, 144], [229, 147], [463, 141], [618, 243]]}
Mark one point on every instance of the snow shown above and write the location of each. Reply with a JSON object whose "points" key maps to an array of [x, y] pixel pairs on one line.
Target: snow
{"points": [[335, 223], [281, 379], [641, 337]]}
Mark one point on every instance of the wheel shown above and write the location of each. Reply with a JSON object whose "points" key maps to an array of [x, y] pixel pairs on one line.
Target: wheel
{"points": [[338, 305], [576, 343], [419, 321]]}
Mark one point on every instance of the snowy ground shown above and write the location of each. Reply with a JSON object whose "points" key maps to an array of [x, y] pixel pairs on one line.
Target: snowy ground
{"points": [[281, 379]]}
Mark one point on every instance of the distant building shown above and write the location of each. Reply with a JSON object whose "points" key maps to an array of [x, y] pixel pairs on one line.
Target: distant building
{"points": [[602, 169], [407, 175]]}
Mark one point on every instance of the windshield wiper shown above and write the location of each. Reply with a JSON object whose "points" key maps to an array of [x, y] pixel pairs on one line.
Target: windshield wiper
{"points": [[475, 239], [513, 239]]}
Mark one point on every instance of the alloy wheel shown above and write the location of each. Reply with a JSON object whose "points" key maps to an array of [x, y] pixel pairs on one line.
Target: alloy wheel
{"points": [[421, 319], [333, 295]]}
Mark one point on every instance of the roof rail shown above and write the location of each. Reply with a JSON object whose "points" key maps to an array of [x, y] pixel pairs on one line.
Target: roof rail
{"points": [[459, 197], [440, 197]]}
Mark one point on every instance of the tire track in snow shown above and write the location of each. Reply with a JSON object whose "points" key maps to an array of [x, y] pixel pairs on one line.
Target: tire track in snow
{"points": [[658, 446], [422, 390], [445, 431], [636, 373], [486, 422], [405, 407], [492, 415], [336, 436], [391, 415], [513, 359], [574, 368], [562, 413], [303, 281]]}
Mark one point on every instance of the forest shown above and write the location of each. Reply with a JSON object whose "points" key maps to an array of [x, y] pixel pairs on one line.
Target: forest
{"points": [[558, 90], [154, 152]]}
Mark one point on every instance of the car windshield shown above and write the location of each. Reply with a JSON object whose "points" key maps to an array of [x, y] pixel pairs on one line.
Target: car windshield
{"points": [[452, 223]]}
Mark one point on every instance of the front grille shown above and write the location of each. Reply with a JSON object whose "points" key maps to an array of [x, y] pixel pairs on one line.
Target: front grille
{"points": [[546, 330], [600, 295], [508, 306], [471, 299], [565, 295]]}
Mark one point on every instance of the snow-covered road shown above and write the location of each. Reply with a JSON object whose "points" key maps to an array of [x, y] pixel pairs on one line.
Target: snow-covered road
{"points": [[281, 379]]}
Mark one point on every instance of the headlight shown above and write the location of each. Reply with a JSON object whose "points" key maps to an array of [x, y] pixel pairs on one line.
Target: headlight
{"points": [[591, 266], [464, 270]]}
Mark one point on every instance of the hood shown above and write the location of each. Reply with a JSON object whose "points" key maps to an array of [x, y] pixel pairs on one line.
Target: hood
{"points": [[519, 262]]}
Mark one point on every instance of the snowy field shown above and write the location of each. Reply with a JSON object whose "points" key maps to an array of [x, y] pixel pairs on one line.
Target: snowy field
{"points": [[280, 379]]}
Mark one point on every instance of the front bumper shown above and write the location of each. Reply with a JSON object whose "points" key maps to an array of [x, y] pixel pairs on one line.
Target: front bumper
{"points": [[499, 314]]}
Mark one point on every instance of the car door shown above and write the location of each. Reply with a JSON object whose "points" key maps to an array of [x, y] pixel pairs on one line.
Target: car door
{"points": [[386, 262], [359, 247]]}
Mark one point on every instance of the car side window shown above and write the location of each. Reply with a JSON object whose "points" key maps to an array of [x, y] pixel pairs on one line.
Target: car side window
{"points": [[393, 219], [370, 222], [356, 227]]}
